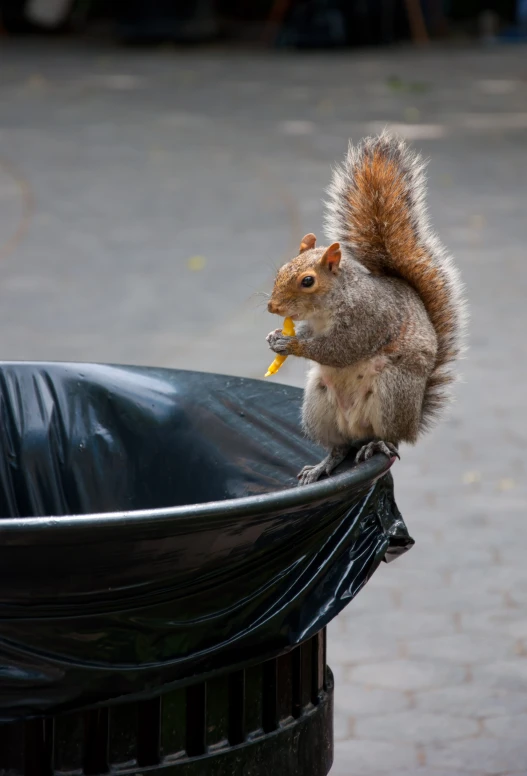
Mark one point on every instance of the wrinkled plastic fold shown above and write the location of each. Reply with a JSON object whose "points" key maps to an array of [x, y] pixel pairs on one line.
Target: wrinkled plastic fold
{"points": [[151, 530]]}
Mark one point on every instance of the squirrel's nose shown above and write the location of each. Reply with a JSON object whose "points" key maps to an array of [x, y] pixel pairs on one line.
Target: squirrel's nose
{"points": [[272, 307]]}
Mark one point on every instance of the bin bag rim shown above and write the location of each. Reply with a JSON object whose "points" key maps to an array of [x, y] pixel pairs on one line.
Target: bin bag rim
{"points": [[366, 472]]}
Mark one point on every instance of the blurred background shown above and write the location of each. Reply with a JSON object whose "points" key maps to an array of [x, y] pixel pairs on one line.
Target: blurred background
{"points": [[159, 160]]}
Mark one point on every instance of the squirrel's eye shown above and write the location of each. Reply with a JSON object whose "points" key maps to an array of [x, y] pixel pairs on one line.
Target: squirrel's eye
{"points": [[308, 281]]}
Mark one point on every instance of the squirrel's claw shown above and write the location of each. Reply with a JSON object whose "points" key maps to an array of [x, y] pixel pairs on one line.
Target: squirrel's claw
{"points": [[311, 474], [273, 334], [369, 450]]}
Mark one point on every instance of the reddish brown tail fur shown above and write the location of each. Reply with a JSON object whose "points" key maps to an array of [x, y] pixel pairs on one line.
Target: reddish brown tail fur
{"points": [[376, 208]]}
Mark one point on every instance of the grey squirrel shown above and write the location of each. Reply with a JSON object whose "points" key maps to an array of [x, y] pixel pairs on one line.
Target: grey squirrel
{"points": [[380, 312]]}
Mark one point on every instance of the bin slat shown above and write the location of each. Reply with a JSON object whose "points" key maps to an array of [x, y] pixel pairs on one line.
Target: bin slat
{"points": [[12, 747], [218, 693], [38, 747], [96, 742], [253, 701], [269, 696], [196, 720], [306, 662], [285, 688], [68, 743], [148, 732], [296, 682], [237, 708], [173, 724], [123, 736], [318, 668]]}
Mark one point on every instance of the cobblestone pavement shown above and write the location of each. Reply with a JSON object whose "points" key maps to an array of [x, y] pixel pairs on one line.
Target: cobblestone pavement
{"points": [[145, 198]]}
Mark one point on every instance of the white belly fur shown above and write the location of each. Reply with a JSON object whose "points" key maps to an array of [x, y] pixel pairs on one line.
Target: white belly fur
{"points": [[353, 392]]}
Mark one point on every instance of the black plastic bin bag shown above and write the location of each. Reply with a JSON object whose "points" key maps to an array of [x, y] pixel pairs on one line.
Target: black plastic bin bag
{"points": [[152, 530]]}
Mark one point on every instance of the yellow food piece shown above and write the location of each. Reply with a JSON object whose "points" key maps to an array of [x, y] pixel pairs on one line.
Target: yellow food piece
{"points": [[196, 263], [289, 331]]}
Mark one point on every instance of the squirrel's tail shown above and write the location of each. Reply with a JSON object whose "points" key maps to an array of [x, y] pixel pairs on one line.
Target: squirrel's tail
{"points": [[376, 208]]}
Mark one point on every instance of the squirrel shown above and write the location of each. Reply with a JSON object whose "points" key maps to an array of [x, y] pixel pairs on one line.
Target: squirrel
{"points": [[380, 312]]}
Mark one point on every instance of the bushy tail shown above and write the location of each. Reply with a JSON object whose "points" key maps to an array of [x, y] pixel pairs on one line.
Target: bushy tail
{"points": [[376, 208]]}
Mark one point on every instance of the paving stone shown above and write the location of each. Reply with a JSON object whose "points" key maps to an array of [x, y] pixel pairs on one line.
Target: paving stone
{"points": [[497, 578], [480, 756], [339, 673], [366, 758], [518, 628], [452, 599], [395, 625], [427, 771], [407, 674], [503, 620], [341, 726], [508, 726], [359, 701], [359, 648], [415, 726], [503, 675], [472, 700], [463, 648]]}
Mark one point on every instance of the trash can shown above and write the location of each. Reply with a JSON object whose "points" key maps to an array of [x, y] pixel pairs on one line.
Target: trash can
{"points": [[165, 585]]}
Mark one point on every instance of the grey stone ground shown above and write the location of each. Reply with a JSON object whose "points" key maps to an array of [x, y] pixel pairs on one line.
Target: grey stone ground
{"points": [[119, 168]]}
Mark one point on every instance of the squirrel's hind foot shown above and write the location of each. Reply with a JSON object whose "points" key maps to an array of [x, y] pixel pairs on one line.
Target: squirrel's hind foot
{"points": [[311, 474], [377, 446]]}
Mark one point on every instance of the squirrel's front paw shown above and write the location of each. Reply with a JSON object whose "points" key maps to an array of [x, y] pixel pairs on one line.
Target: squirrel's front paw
{"points": [[279, 343]]}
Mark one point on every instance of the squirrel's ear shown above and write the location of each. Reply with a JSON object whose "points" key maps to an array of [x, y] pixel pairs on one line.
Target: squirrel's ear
{"points": [[307, 243], [331, 258]]}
